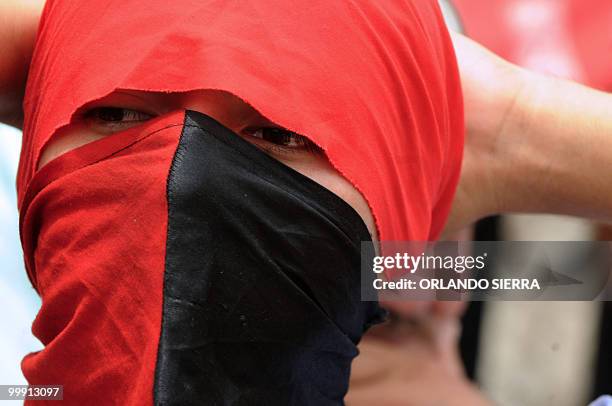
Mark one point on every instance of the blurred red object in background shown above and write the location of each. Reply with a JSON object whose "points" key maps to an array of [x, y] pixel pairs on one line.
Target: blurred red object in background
{"points": [[566, 38]]}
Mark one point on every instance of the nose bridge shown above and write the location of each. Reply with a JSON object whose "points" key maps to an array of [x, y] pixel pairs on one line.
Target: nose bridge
{"points": [[225, 107]]}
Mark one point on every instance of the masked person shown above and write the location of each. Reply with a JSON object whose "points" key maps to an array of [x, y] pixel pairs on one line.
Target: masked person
{"points": [[196, 180]]}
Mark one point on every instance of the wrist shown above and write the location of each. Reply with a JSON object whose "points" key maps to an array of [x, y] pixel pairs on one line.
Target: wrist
{"points": [[519, 161]]}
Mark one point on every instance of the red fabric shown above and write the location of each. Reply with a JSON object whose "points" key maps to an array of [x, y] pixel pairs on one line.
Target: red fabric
{"points": [[97, 217], [374, 83], [566, 38]]}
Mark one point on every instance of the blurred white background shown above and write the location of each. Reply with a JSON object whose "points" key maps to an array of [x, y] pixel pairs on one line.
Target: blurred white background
{"points": [[19, 302]]}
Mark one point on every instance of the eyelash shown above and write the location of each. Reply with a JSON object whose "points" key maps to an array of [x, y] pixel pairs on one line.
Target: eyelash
{"points": [[288, 142], [117, 118]]}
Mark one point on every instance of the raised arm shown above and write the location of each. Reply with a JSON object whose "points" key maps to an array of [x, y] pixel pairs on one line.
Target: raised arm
{"points": [[18, 23], [534, 143]]}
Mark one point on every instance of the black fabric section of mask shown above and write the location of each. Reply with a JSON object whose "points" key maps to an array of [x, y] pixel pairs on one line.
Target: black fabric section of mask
{"points": [[262, 282]]}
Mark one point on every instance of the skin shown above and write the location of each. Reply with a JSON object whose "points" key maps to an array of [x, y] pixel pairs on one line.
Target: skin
{"points": [[534, 143], [412, 364], [18, 22], [126, 109], [512, 116]]}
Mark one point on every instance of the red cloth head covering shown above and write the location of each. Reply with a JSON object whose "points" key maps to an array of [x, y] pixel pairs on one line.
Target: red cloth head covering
{"points": [[374, 83]]}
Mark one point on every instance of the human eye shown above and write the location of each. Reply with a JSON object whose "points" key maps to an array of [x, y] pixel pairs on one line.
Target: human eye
{"points": [[276, 139], [114, 119]]}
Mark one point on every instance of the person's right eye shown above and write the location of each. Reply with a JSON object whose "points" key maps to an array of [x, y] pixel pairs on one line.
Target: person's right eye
{"points": [[115, 119]]}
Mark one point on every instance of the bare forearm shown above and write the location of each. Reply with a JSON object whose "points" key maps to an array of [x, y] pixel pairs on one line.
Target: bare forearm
{"points": [[560, 160], [18, 23], [534, 144]]}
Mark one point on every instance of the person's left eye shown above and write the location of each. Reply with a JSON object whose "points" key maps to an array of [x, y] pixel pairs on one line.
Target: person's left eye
{"points": [[280, 138]]}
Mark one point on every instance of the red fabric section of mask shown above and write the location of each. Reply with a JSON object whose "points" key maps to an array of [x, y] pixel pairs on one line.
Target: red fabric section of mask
{"points": [[375, 84], [94, 237]]}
